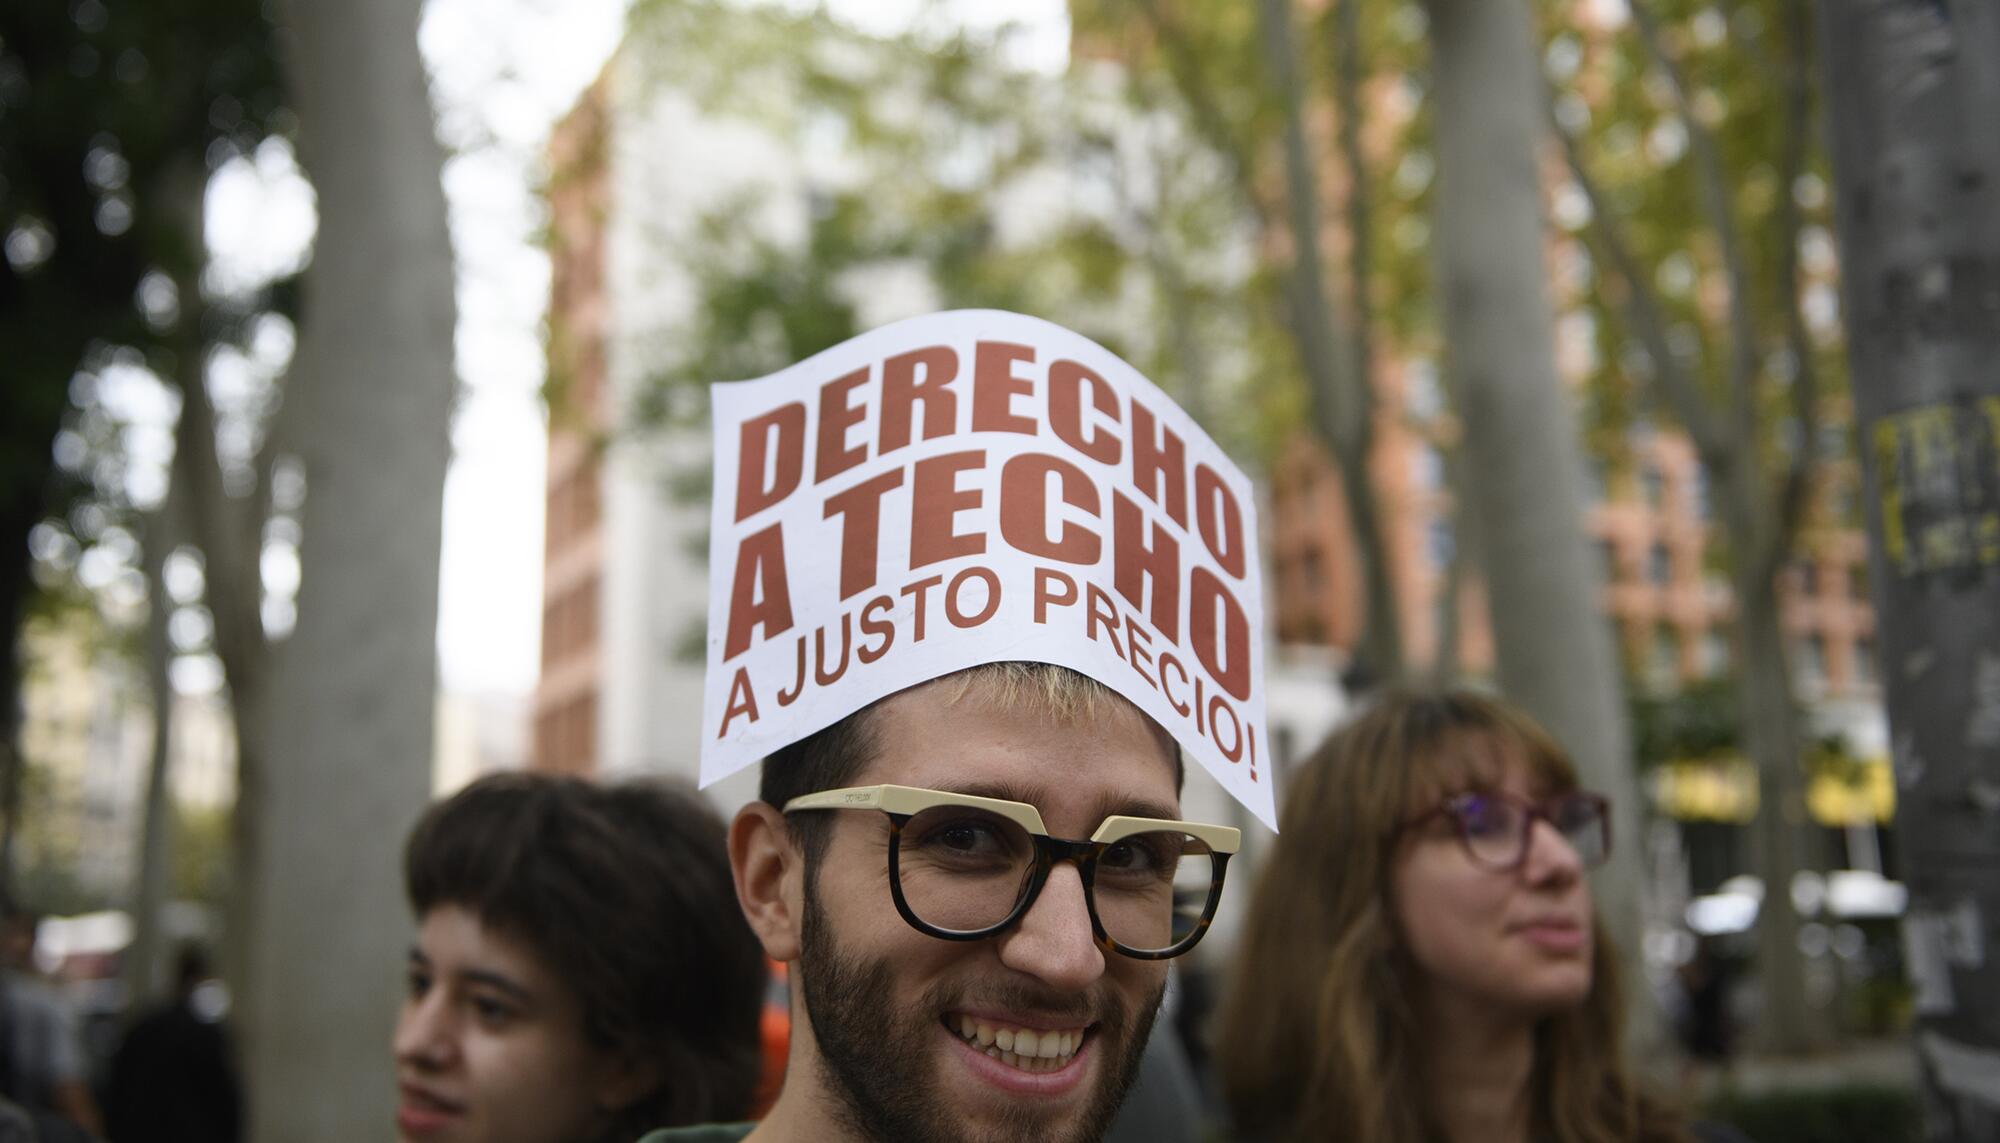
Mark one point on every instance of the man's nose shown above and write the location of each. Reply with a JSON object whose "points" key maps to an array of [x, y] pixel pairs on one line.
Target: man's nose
{"points": [[1054, 941], [423, 1031]]}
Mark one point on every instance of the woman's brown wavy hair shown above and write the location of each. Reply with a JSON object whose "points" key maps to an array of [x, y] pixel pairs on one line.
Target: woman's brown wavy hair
{"points": [[1318, 1037]]}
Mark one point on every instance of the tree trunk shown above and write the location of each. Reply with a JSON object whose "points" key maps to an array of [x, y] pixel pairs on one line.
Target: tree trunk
{"points": [[229, 535], [1913, 93], [145, 962], [349, 762], [14, 580], [1771, 737], [1342, 401], [1523, 503]]}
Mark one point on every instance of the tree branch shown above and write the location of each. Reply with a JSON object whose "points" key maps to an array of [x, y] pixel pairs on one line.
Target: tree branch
{"points": [[1345, 33], [1717, 447], [1209, 120], [1715, 201], [1797, 483], [1338, 399]]}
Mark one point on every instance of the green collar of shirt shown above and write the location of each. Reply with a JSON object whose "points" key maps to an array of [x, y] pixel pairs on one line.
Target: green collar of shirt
{"points": [[701, 1133]]}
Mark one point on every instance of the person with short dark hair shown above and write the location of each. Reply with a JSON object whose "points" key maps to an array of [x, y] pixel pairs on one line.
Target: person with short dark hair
{"points": [[41, 1058], [173, 1079], [580, 972]]}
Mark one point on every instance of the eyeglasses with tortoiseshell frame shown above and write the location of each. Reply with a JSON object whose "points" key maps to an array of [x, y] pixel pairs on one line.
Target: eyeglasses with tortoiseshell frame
{"points": [[964, 867]]}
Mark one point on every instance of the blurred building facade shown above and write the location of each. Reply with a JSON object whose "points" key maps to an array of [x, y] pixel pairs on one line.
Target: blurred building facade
{"points": [[1649, 514], [634, 167], [86, 736]]}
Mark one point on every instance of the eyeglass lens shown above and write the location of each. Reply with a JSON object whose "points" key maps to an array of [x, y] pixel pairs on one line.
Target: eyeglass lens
{"points": [[965, 870], [1496, 829]]}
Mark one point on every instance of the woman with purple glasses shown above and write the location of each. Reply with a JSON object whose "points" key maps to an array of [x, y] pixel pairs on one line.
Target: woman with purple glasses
{"points": [[1422, 960]]}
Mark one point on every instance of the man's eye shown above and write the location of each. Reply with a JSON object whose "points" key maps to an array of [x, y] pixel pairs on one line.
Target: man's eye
{"points": [[419, 983], [965, 837], [1144, 855], [1130, 856]]}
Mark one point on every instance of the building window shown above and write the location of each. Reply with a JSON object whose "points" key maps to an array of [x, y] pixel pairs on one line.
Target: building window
{"points": [[1442, 543], [1660, 565], [1652, 486], [1423, 397], [1808, 578], [1865, 673], [1663, 662], [1427, 468], [1812, 659], [1714, 660]]}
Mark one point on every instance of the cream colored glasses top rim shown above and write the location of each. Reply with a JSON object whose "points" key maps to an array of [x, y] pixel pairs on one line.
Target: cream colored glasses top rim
{"points": [[914, 799]]}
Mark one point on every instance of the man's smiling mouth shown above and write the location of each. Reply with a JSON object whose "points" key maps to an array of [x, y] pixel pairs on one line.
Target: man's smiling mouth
{"points": [[1028, 1049]]}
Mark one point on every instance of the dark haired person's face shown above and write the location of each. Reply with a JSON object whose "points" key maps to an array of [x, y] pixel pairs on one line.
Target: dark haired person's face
{"points": [[889, 1006], [1515, 943], [490, 1045]]}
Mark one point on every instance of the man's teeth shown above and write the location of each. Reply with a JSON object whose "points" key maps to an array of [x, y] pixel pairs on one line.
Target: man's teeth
{"points": [[1023, 1048]]}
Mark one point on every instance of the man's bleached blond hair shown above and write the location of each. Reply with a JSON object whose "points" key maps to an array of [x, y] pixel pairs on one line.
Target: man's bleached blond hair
{"points": [[831, 758]]}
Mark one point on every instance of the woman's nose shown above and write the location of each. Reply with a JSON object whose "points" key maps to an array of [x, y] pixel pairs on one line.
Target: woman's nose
{"points": [[423, 1031], [1551, 857]]}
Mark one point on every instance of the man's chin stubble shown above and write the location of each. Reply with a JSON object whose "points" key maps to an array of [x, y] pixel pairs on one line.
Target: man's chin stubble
{"points": [[882, 1069]]}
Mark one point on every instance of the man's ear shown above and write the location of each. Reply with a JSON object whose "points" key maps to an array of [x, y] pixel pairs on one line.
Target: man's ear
{"points": [[770, 878]]}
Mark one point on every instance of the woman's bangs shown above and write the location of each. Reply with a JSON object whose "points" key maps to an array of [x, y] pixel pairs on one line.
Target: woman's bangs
{"points": [[1476, 759], [1458, 760]]}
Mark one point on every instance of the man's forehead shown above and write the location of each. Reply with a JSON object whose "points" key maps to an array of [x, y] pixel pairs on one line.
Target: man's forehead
{"points": [[1096, 804], [1110, 761]]}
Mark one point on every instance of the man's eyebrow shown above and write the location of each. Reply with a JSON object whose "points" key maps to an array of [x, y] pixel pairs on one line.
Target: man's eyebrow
{"points": [[1114, 805]]}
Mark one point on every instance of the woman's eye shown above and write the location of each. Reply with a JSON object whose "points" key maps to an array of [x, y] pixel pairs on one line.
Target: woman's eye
{"points": [[1484, 818], [419, 983], [492, 1012]]}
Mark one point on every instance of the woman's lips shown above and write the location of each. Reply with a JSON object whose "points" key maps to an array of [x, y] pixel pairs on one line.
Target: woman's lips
{"points": [[423, 1112], [1554, 936]]}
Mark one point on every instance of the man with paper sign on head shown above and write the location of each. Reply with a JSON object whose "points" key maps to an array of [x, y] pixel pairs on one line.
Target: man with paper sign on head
{"points": [[976, 584]]}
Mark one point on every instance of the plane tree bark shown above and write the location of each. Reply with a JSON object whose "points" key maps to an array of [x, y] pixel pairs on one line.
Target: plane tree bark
{"points": [[1913, 92], [353, 687], [1761, 501]]}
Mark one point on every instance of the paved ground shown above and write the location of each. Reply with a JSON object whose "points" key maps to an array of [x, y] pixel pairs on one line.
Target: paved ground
{"points": [[1872, 1063]]}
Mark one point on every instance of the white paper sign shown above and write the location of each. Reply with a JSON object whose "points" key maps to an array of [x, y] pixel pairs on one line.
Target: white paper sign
{"points": [[975, 487]]}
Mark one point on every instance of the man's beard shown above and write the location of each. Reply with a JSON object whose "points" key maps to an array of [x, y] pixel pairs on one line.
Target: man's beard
{"points": [[878, 1061]]}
